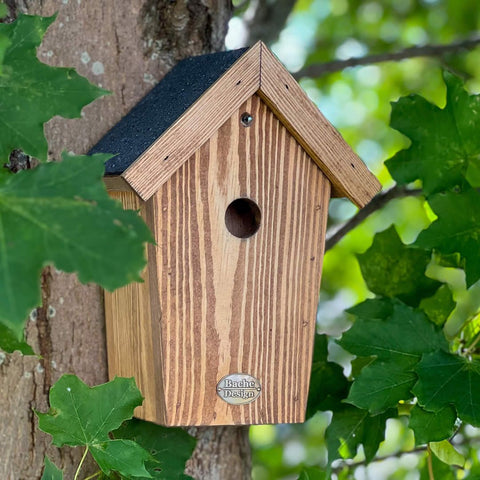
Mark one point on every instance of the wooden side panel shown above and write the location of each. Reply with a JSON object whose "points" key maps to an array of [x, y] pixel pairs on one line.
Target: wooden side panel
{"points": [[117, 184], [349, 176], [232, 305], [133, 350]]}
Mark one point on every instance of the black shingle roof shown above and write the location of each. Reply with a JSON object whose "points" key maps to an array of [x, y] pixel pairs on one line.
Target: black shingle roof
{"points": [[160, 108]]}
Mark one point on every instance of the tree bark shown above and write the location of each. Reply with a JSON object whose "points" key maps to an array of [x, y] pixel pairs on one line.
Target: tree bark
{"points": [[125, 47]]}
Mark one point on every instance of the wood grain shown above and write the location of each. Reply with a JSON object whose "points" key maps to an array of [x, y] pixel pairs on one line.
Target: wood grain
{"points": [[258, 71], [155, 166], [130, 340], [349, 176], [117, 183], [221, 304]]}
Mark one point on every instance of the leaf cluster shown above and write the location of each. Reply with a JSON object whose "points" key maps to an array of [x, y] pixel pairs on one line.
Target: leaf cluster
{"points": [[98, 419], [405, 364], [58, 213]]}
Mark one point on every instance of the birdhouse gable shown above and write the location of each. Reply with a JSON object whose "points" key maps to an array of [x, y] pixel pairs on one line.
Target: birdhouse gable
{"points": [[161, 107], [198, 96]]}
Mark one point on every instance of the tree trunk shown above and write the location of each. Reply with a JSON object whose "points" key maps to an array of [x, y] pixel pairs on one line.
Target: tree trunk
{"points": [[125, 47]]}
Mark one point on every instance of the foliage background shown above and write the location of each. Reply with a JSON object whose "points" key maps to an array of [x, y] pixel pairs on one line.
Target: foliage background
{"points": [[402, 49], [355, 102]]}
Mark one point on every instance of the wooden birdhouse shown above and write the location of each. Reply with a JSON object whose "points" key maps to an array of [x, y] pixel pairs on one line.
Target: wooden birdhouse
{"points": [[232, 167]]}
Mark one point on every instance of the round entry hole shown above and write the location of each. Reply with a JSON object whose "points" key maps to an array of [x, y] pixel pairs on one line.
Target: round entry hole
{"points": [[242, 218]]}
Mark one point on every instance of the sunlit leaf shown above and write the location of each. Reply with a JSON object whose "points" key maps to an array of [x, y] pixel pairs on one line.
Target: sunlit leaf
{"points": [[445, 451], [83, 415], [445, 141], [440, 470], [31, 92], [80, 415], [61, 214]]}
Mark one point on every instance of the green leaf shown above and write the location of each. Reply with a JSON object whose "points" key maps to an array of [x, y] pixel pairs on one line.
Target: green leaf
{"points": [[123, 456], [457, 229], [83, 415], [352, 427], [474, 473], [51, 471], [3, 10], [439, 306], [382, 385], [312, 473], [432, 426], [447, 454], [31, 92], [60, 213], [397, 335], [170, 447], [441, 471], [328, 385], [4, 43], [446, 379], [9, 342], [445, 142], [392, 269]]}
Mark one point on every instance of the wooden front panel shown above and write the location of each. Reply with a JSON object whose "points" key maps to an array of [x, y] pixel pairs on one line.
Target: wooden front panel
{"points": [[222, 304]]}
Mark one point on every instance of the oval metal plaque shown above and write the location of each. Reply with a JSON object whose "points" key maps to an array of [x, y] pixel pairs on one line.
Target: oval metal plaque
{"points": [[239, 388]]}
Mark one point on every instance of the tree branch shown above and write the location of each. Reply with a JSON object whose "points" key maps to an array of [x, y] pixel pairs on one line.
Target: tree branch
{"points": [[353, 464], [265, 20], [377, 203], [318, 70]]}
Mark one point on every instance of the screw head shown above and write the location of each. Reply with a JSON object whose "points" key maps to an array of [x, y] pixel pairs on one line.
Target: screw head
{"points": [[246, 119]]}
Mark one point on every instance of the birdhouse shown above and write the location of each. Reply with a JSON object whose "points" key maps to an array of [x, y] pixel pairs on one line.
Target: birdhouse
{"points": [[232, 168]]}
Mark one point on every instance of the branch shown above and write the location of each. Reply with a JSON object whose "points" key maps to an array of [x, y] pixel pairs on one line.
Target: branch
{"points": [[265, 20], [353, 464], [318, 70], [377, 203]]}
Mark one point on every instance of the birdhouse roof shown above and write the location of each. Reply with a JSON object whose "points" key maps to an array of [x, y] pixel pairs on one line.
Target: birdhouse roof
{"points": [[198, 95]]}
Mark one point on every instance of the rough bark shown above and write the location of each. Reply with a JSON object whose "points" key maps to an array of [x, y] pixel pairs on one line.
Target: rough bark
{"points": [[125, 47]]}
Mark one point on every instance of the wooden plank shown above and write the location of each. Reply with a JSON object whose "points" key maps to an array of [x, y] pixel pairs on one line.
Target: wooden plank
{"points": [[229, 304], [196, 126], [259, 71], [132, 348], [117, 184], [349, 176]]}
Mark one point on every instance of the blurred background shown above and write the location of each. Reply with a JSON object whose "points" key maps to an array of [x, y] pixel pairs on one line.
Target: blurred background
{"points": [[353, 58]]}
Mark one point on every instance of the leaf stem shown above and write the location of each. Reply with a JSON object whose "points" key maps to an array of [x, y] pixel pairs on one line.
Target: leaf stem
{"points": [[81, 463], [429, 463], [472, 346], [96, 474]]}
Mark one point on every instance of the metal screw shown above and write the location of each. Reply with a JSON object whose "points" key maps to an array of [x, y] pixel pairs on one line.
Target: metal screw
{"points": [[246, 119]]}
